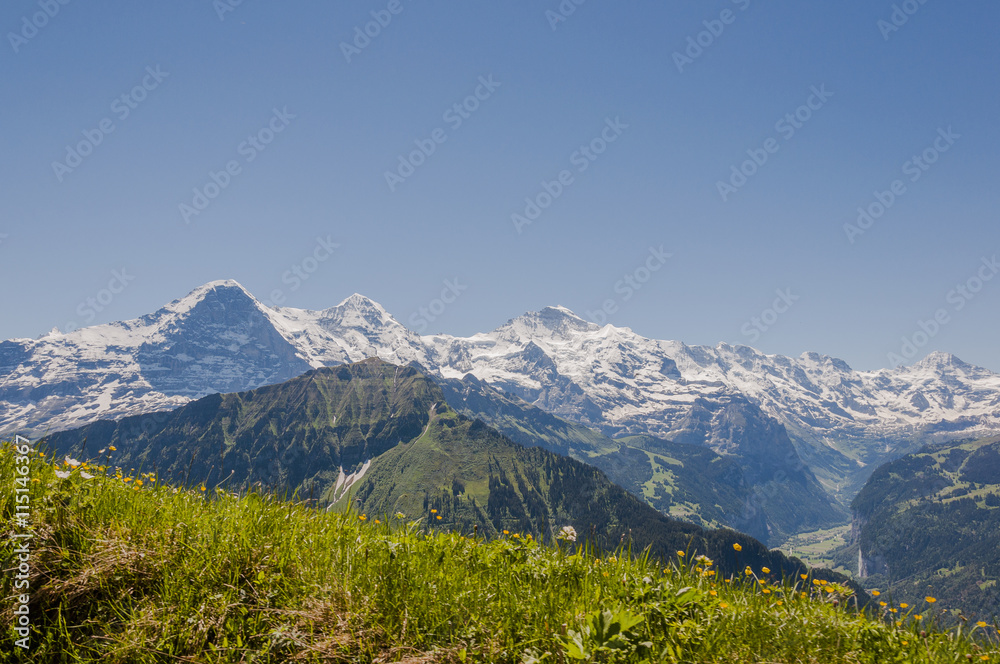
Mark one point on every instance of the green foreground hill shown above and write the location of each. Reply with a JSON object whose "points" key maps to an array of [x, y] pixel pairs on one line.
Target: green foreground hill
{"points": [[130, 570]]}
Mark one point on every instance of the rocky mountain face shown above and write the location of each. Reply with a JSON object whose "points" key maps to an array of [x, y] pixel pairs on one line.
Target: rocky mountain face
{"points": [[217, 339], [791, 422]]}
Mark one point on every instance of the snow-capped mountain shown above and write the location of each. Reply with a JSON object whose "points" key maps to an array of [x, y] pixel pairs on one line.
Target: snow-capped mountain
{"points": [[841, 420], [219, 338]]}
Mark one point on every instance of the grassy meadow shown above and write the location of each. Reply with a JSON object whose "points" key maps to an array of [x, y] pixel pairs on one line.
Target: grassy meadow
{"points": [[125, 569]]}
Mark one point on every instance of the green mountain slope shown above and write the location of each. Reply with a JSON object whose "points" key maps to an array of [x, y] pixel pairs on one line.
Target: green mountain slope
{"points": [[295, 435], [463, 475], [757, 487], [928, 524]]}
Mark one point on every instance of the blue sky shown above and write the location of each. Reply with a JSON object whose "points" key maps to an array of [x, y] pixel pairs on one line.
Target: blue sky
{"points": [[267, 90]]}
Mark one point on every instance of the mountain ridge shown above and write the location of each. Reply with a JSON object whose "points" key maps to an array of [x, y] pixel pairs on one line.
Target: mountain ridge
{"points": [[219, 337]]}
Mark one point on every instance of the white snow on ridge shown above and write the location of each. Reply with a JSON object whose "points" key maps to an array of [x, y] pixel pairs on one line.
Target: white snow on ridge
{"points": [[605, 376]]}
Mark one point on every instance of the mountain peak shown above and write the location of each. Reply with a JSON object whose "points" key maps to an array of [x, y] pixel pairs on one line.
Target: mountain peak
{"points": [[224, 289], [359, 301], [558, 310], [558, 317], [224, 283], [940, 360], [551, 322], [357, 306], [360, 313]]}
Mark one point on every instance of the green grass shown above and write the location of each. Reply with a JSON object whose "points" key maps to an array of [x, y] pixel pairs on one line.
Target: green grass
{"points": [[165, 574]]}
